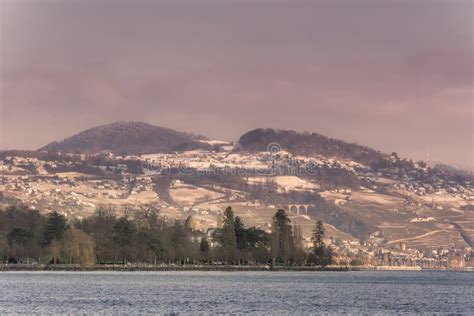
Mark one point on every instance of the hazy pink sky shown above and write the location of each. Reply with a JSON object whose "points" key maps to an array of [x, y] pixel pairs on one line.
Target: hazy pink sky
{"points": [[394, 75]]}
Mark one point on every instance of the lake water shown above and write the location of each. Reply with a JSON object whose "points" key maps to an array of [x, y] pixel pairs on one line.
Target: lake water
{"points": [[299, 293]]}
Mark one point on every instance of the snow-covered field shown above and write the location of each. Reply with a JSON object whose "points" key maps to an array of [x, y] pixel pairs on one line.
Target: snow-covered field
{"points": [[285, 183], [188, 195], [376, 198]]}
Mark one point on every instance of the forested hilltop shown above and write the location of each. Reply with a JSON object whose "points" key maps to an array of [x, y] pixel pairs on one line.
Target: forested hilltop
{"points": [[127, 137], [308, 144], [142, 236]]}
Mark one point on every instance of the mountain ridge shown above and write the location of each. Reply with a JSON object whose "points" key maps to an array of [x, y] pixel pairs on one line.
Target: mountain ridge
{"points": [[143, 138], [133, 137]]}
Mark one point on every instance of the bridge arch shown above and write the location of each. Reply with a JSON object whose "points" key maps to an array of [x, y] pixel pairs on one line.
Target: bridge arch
{"points": [[299, 209], [302, 209]]}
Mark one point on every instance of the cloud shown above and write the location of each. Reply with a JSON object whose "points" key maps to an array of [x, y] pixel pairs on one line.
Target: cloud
{"points": [[362, 71]]}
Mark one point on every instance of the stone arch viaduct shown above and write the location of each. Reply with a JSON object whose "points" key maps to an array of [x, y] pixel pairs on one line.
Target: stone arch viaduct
{"points": [[299, 209]]}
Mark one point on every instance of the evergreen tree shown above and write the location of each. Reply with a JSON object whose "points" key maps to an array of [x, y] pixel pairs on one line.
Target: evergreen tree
{"points": [[23, 243], [287, 245], [282, 238], [55, 228], [229, 240], [240, 234], [318, 235], [258, 244], [321, 255]]}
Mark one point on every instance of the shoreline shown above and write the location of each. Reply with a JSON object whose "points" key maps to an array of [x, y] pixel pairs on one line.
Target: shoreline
{"points": [[131, 268], [209, 268]]}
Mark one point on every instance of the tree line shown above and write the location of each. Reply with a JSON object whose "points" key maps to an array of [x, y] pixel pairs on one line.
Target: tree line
{"points": [[143, 236]]}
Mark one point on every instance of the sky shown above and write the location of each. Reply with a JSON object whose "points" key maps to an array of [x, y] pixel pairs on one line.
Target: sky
{"points": [[392, 75]]}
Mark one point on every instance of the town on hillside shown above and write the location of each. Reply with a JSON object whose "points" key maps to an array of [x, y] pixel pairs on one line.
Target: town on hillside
{"points": [[390, 212]]}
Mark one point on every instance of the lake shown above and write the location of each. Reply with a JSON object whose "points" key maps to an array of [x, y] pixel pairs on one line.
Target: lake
{"points": [[383, 292]]}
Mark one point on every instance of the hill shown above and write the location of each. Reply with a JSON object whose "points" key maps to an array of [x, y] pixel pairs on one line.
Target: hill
{"points": [[385, 202], [307, 144], [129, 138]]}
